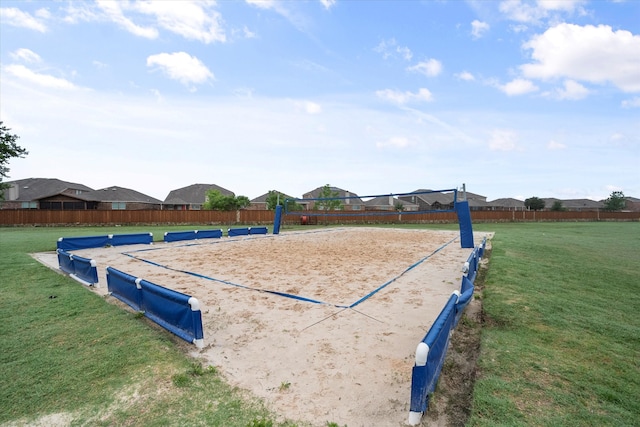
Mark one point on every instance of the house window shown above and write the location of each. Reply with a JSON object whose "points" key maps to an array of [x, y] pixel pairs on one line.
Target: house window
{"points": [[356, 207], [29, 205], [118, 206]]}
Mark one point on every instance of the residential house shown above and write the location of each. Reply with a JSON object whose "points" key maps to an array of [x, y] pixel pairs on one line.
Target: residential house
{"points": [[632, 204], [350, 201], [192, 197], [47, 193], [389, 203], [260, 202], [506, 204], [119, 198], [55, 194], [574, 204]]}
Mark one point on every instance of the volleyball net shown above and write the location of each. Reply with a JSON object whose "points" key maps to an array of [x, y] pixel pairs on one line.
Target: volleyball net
{"points": [[348, 208]]}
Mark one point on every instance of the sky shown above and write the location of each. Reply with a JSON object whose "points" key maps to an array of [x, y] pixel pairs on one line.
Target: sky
{"points": [[512, 98]]}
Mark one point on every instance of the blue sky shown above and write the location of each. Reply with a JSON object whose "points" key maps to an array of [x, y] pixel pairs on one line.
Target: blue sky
{"points": [[513, 98]]}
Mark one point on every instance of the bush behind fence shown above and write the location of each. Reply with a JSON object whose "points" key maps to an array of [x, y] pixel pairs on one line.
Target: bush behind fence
{"points": [[263, 217]]}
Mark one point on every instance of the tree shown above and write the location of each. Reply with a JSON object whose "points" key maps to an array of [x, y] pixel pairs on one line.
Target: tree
{"points": [[534, 203], [216, 201], [399, 206], [615, 202], [8, 150], [329, 200], [557, 206], [275, 198]]}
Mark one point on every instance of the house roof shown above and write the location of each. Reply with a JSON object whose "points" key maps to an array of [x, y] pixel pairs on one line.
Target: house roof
{"points": [[194, 194], [506, 203], [573, 203], [120, 194], [384, 201], [31, 189], [314, 194], [263, 198]]}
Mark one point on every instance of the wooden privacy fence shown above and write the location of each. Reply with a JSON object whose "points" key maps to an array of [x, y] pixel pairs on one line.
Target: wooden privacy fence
{"points": [[264, 217]]}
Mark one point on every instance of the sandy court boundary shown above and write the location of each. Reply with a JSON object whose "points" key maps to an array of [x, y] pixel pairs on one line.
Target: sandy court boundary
{"points": [[314, 362]]}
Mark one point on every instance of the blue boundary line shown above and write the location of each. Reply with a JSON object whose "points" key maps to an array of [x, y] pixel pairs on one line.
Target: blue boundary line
{"points": [[282, 294], [226, 282], [384, 285]]}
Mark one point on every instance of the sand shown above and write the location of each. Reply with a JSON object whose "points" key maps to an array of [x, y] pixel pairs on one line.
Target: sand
{"points": [[316, 362]]}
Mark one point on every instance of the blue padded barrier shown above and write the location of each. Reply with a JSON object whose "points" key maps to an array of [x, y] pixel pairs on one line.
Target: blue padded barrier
{"points": [[430, 356], [124, 287], [175, 236], [131, 239], [65, 261], [174, 311], [75, 243], [232, 232], [85, 270], [258, 230], [81, 269], [463, 301], [431, 352], [209, 234]]}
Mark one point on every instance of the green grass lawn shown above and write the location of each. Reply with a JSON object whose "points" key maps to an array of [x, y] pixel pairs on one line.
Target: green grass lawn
{"points": [[560, 344], [65, 351], [561, 338]]}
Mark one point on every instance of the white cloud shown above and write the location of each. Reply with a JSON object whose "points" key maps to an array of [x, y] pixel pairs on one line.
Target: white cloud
{"points": [[572, 90], [191, 20], [309, 107], [631, 103], [401, 98], [113, 12], [531, 12], [17, 18], [181, 66], [478, 28], [503, 140], [389, 48], [395, 142], [554, 145], [588, 53], [328, 3], [518, 87], [429, 68], [26, 55], [45, 80], [466, 76]]}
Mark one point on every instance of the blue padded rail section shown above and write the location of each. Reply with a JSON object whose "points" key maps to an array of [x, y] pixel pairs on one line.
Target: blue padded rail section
{"points": [[175, 236], [172, 310], [85, 269], [232, 232], [464, 300], [258, 230], [123, 286], [176, 312], [131, 239], [65, 262], [81, 269], [208, 234], [86, 242], [425, 377]]}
